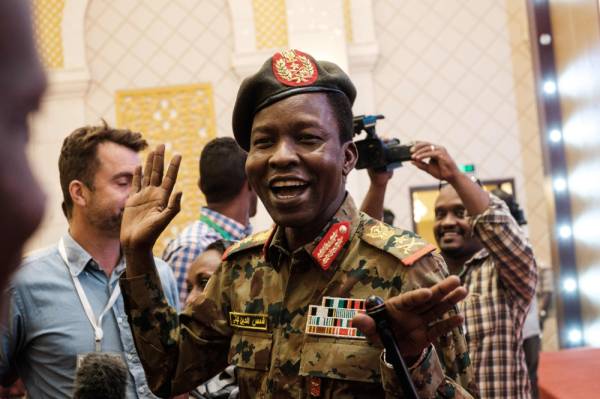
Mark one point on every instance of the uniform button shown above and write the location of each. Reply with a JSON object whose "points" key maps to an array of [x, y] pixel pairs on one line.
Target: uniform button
{"points": [[129, 356], [119, 320]]}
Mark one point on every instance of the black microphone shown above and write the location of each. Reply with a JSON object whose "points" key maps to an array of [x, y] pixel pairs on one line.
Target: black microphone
{"points": [[101, 376], [376, 309]]}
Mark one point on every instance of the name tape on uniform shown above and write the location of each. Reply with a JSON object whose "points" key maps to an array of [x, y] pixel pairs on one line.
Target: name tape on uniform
{"points": [[248, 321]]}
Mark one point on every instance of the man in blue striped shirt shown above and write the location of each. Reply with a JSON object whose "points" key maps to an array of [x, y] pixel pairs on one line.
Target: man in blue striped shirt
{"points": [[230, 204]]}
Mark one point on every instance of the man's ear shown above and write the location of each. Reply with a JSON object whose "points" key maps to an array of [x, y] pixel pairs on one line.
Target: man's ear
{"points": [[78, 192], [350, 156]]}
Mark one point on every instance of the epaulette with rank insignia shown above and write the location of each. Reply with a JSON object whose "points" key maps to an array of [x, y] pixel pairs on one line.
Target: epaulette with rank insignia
{"points": [[404, 245], [252, 241]]}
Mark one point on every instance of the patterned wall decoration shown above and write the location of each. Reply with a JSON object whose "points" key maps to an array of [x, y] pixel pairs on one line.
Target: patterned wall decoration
{"points": [[162, 43], [459, 74], [47, 23], [450, 73], [138, 43], [270, 21], [347, 4], [182, 117]]}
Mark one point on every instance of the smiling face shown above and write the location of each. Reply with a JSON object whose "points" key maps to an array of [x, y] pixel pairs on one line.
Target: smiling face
{"points": [[297, 164], [452, 228]]}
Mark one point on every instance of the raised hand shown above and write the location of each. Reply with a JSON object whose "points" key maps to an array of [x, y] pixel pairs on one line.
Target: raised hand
{"points": [[416, 316], [152, 203], [440, 164]]}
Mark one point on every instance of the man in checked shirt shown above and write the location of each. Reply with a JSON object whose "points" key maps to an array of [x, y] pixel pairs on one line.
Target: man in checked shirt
{"points": [[230, 203], [482, 244]]}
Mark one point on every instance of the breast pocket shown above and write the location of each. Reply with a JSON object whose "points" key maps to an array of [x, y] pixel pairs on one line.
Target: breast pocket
{"points": [[342, 359], [251, 350], [480, 317]]}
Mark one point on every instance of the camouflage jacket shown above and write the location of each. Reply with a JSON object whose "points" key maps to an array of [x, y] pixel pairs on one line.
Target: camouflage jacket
{"points": [[255, 310]]}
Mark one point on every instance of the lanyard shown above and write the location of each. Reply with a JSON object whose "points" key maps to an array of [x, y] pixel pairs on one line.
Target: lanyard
{"points": [[96, 324], [224, 234]]}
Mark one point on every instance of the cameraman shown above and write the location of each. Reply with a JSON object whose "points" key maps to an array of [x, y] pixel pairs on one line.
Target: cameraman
{"points": [[482, 244]]}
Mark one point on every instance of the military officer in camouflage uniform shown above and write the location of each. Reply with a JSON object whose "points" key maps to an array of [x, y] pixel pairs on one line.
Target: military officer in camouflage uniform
{"points": [[286, 306]]}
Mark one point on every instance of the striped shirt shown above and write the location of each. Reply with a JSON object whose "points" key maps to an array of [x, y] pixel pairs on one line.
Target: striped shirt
{"points": [[501, 281], [193, 240]]}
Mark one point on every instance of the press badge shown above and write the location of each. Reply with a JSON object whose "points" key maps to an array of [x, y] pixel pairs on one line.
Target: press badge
{"points": [[81, 357]]}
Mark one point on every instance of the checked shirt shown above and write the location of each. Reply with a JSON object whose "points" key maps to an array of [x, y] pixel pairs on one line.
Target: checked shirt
{"points": [[193, 240], [501, 281]]}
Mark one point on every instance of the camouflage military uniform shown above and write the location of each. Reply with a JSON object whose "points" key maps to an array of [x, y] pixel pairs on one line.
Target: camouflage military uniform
{"points": [[259, 276]]}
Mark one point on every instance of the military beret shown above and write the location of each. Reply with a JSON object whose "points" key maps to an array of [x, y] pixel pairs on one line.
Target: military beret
{"points": [[285, 74]]}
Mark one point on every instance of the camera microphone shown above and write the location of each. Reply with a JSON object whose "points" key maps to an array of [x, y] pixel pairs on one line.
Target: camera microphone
{"points": [[375, 307]]}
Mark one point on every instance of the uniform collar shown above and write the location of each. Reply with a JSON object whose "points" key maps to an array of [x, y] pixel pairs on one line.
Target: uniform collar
{"points": [[327, 246]]}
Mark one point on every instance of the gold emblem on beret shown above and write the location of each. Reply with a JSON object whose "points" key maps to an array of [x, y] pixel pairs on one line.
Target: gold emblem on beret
{"points": [[294, 68]]}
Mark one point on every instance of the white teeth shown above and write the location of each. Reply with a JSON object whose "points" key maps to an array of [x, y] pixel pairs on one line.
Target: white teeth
{"points": [[288, 183]]}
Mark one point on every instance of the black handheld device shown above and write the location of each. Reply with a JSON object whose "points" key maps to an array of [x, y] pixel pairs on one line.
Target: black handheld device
{"points": [[375, 153], [376, 309]]}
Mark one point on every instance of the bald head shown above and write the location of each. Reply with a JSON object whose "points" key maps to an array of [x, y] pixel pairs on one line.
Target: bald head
{"points": [[22, 83]]}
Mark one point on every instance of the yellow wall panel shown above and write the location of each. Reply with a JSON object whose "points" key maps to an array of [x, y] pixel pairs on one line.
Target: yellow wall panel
{"points": [[183, 118], [270, 21], [47, 22], [348, 20]]}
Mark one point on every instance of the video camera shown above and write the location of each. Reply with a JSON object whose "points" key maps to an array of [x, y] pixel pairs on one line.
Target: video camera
{"points": [[375, 153]]}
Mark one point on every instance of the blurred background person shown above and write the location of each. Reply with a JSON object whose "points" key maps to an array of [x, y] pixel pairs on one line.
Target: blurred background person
{"points": [[22, 84], [101, 376], [230, 203]]}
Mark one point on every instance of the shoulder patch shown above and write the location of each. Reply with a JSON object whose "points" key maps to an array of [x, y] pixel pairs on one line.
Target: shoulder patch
{"points": [[254, 240], [404, 245]]}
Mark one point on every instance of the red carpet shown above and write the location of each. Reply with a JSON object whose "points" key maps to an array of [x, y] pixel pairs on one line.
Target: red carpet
{"points": [[570, 374]]}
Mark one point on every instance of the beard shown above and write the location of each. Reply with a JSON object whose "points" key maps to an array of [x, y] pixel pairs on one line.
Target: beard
{"points": [[106, 221]]}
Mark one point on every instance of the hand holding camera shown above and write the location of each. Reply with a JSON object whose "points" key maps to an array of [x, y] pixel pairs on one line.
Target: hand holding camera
{"points": [[435, 160]]}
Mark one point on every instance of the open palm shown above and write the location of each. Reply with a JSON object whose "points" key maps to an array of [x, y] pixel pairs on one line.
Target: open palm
{"points": [[152, 203]]}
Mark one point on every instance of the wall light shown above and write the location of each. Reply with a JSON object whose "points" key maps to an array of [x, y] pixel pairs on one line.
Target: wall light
{"points": [[569, 285], [555, 135], [575, 336], [549, 87], [545, 39], [560, 184], [564, 232]]}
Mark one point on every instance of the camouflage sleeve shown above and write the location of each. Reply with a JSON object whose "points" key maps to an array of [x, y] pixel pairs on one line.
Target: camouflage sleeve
{"points": [[428, 377], [177, 351], [447, 371]]}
